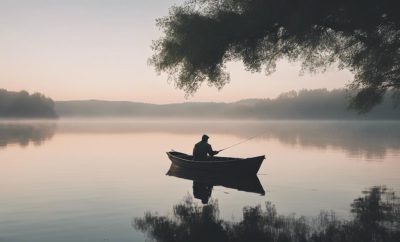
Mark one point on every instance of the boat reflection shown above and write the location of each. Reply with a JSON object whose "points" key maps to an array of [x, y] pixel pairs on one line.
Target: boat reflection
{"points": [[203, 182]]}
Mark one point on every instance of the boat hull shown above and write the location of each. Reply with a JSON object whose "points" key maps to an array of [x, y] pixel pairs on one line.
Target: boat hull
{"points": [[222, 165]]}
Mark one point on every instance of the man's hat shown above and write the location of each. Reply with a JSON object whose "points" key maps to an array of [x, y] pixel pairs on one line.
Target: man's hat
{"points": [[205, 137]]}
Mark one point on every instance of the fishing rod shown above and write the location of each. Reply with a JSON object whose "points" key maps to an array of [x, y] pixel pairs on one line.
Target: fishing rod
{"points": [[241, 142]]}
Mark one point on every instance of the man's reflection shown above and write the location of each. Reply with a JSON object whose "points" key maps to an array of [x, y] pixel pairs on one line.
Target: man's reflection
{"points": [[202, 191], [203, 183]]}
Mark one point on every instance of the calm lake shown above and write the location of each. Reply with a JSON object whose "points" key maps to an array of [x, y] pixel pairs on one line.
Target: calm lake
{"points": [[86, 180]]}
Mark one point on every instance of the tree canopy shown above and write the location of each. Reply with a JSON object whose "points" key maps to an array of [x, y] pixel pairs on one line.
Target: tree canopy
{"points": [[363, 36], [24, 105]]}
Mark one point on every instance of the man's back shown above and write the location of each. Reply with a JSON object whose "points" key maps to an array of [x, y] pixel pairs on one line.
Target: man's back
{"points": [[201, 149]]}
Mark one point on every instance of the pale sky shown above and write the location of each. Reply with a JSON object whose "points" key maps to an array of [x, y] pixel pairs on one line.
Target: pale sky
{"points": [[98, 49]]}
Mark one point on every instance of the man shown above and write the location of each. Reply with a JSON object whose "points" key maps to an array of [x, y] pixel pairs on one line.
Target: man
{"points": [[203, 150]]}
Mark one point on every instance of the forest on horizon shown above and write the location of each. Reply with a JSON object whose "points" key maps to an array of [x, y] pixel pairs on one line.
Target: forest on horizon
{"points": [[301, 105], [24, 105], [304, 104]]}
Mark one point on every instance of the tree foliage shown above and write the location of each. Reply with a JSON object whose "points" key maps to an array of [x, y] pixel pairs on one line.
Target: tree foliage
{"points": [[363, 36], [23, 105]]}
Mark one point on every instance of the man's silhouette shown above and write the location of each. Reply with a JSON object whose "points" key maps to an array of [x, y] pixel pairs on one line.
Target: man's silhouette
{"points": [[203, 150]]}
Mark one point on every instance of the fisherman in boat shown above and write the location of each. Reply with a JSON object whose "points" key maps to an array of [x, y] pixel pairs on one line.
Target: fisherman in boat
{"points": [[203, 150]]}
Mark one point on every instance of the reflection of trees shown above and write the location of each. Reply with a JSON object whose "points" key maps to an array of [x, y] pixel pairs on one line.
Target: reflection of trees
{"points": [[376, 217], [368, 138], [24, 133]]}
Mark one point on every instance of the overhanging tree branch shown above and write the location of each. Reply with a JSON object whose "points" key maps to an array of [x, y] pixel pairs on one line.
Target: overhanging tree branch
{"points": [[363, 36]]}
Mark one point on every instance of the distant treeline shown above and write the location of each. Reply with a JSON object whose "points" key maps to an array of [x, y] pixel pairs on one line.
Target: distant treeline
{"points": [[305, 104], [23, 105]]}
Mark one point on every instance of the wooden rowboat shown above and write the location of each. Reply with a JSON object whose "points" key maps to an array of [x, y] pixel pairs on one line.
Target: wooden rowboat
{"points": [[223, 165]]}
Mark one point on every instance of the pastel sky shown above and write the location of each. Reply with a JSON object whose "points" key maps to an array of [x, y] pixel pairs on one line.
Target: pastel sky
{"points": [[98, 49]]}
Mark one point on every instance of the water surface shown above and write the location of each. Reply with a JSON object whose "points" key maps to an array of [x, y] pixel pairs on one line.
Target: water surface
{"points": [[77, 180]]}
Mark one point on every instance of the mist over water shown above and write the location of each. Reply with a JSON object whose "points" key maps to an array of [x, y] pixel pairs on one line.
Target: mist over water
{"points": [[371, 139], [85, 180]]}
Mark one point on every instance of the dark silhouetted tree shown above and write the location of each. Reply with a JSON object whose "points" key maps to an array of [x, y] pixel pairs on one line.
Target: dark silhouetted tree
{"points": [[363, 36], [22, 105]]}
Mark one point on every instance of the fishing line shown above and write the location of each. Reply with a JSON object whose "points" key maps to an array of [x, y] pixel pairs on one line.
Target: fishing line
{"points": [[243, 141]]}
